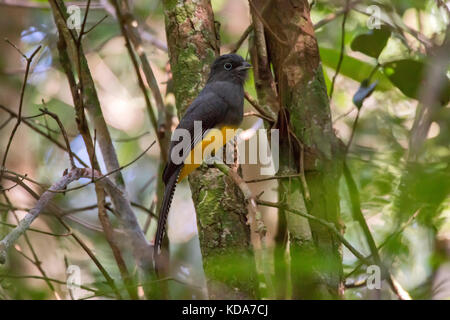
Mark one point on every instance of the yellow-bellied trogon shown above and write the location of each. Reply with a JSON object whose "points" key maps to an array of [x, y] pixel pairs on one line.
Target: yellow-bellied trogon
{"points": [[220, 105]]}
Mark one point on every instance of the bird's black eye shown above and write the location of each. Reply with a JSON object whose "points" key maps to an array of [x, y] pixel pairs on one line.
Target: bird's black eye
{"points": [[227, 66]]}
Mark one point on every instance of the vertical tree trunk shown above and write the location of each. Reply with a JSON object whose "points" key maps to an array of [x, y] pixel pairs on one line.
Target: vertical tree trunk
{"points": [[221, 212], [304, 120]]}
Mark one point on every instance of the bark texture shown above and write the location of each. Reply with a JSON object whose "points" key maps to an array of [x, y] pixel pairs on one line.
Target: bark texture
{"points": [[305, 123], [221, 212]]}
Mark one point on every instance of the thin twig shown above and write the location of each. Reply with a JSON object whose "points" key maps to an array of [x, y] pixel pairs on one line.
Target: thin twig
{"points": [[10, 225], [50, 130], [91, 255], [22, 94], [355, 123], [341, 54], [416, 34], [132, 138], [385, 242], [289, 176], [110, 238], [35, 261], [258, 108], [25, 177], [94, 156], [42, 133], [149, 38], [45, 278], [13, 186], [146, 210], [343, 115], [241, 40], [83, 25], [258, 115], [27, 4], [335, 15], [149, 217], [96, 24], [327, 224], [63, 131], [6, 122], [306, 193], [106, 174]]}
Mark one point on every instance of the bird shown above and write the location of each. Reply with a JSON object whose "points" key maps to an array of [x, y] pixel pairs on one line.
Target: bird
{"points": [[218, 106]]}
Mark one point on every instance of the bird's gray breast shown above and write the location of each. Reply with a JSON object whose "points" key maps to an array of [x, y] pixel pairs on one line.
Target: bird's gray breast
{"points": [[233, 95]]}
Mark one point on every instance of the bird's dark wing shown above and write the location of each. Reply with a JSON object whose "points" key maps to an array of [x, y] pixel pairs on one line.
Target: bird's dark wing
{"points": [[208, 107], [211, 109]]}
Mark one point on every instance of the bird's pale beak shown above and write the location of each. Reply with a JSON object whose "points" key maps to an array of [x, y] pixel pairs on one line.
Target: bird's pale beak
{"points": [[245, 66]]}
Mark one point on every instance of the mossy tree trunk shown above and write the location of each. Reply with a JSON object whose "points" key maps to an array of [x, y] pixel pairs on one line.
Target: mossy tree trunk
{"points": [[305, 123], [221, 212]]}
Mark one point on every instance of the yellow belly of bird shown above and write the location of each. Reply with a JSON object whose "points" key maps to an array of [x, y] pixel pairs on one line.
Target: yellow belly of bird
{"points": [[211, 143]]}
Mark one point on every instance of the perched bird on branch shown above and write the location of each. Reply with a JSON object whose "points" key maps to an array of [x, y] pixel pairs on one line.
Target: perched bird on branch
{"points": [[219, 107]]}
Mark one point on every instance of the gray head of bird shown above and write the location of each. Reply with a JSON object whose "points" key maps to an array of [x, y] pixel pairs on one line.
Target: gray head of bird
{"points": [[229, 67]]}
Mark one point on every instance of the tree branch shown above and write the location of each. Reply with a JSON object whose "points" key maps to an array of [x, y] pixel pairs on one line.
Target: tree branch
{"points": [[254, 219], [43, 201]]}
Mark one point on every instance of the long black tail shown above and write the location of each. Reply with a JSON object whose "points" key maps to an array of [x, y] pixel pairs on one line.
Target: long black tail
{"points": [[164, 211]]}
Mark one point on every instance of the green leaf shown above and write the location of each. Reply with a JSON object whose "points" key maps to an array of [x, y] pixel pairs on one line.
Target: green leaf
{"points": [[364, 91], [355, 69], [406, 75], [327, 79], [372, 42]]}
